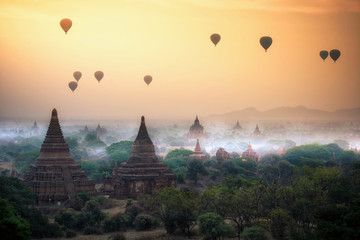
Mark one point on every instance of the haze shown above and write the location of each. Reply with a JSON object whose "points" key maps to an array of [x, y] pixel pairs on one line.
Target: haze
{"points": [[169, 40]]}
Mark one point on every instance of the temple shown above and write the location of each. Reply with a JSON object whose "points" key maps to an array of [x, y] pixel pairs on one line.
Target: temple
{"points": [[237, 126], [257, 131], [142, 173], [198, 154], [250, 153], [55, 176], [35, 128], [196, 130], [221, 156]]}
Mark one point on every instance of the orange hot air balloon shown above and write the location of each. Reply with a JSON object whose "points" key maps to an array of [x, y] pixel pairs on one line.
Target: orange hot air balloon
{"points": [[99, 75], [73, 85], [65, 24], [77, 75], [148, 79], [215, 38]]}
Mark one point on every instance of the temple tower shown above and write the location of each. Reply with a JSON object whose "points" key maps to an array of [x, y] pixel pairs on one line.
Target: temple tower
{"points": [[250, 153], [55, 176], [257, 131], [198, 154], [142, 173], [196, 130], [237, 126]]}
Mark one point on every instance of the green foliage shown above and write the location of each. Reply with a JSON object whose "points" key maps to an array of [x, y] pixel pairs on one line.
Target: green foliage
{"points": [[117, 236], [254, 233], [214, 174], [211, 225], [91, 231], [313, 163], [92, 141], [133, 210], [195, 167], [72, 142], [145, 222], [179, 153], [12, 226], [117, 223], [313, 151], [34, 141], [180, 173], [70, 234], [211, 163], [270, 159], [333, 148], [124, 146], [348, 157], [229, 167], [120, 156], [68, 218], [280, 223], [16, 192], [23, 161], [175, 162]]}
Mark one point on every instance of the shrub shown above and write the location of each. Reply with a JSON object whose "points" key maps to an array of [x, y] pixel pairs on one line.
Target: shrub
{"points": [[68, 218], [91, 231], [254, 233], [117, 223], [211, 225], [133, 210], [144, 222]]}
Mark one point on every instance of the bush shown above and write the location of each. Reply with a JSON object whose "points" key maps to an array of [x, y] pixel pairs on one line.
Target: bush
{"points": [[145, 222], [254, 233], [211, 225], [68, 218], [133, 210], [117, 223], [70, 234]]}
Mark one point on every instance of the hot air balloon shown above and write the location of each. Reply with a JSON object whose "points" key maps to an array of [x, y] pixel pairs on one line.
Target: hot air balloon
{"points": [[148, 79], [65, 24], [77, 75], [99, 75], [215, 38], [335, 54], [73, 85], [266, 42], [324, 54]]}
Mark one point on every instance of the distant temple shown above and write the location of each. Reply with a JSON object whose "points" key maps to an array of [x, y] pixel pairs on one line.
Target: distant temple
{"points": [[100, 131], [14, 172], [221, 155], [142, 173], [86, 130], [257, 131], [196, 130], [35, 128], [237, 126], [281, 151], [198, 154], [250, 153], [55, 176]]}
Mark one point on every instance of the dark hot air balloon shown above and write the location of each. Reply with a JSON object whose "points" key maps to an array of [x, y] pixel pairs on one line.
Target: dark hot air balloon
{"points": [[324, 54], [215, 38], [148, 79], [77, 75], [73, 85], [65, 24], [266, 42], [335, 54], [99, 75]]}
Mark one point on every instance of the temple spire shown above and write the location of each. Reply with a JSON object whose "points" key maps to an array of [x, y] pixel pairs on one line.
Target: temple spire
{"points": [[143, 133], [197, 147]]}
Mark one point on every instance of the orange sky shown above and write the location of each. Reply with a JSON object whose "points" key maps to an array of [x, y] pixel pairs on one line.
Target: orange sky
{"points": [[169, 39]]}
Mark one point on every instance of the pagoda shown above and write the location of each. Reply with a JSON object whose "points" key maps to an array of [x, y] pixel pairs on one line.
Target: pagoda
{"points": [[142, 173], [237, 126], [221, 156], [257, 131], [35, 128], [250, 153], [196, 130], [55, 176], [198, 154]]}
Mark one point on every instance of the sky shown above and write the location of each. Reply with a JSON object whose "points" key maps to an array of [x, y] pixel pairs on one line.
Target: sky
{"points": [[170, 40]]}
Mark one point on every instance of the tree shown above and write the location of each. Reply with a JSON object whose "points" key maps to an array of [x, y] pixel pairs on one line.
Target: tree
{"points": [[348, 157], [270, 159], [12, 226], [333, 148], [195, 167], [254, 233], [179, 153], [124, 146], [213, 226], [342, 143], [280, 223], [313, 151], [72, 142]]}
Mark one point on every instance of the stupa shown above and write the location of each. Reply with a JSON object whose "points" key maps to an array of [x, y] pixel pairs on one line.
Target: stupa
{"points": [[221, 156], [257, 131], [250, 153], [198, 154], [142, 173], [237, 126], [55, 176]]}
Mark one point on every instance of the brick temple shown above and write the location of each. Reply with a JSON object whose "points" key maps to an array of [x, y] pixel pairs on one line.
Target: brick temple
{"points": [[198, 154], [55, 176], [142, 173]]}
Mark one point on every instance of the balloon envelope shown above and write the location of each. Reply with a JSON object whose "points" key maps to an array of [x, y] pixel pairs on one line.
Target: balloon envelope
{"points": [[266, 42], [73, 85], [99, 75], [148, 79], [215, 38], [77, 75], [324, 54], [65, 24], [335, 54]]}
